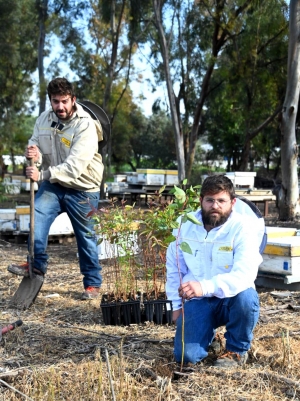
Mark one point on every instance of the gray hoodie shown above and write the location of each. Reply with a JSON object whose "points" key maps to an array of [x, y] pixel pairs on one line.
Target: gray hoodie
{"points": [[69, 150]]}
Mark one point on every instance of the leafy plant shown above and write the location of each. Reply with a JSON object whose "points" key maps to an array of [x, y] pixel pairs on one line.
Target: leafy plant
{"points": [[136, 241], [116, 228]]}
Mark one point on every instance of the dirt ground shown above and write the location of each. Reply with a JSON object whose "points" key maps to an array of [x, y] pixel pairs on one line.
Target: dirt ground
{"points": [[63, 350]]}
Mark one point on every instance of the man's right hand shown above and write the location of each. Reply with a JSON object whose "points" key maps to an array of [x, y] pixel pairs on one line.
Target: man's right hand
{"points": [[32, 152]]}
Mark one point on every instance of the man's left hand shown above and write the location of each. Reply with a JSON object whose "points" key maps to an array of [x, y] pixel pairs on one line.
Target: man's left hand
{"points": [[191, 289], [33, 173]]}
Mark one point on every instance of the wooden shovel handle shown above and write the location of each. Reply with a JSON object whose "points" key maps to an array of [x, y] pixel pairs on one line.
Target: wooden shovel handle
{"points": [[31, 245]]}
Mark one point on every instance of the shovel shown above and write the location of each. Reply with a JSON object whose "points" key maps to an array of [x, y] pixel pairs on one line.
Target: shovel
{"points": [[29, 286]]}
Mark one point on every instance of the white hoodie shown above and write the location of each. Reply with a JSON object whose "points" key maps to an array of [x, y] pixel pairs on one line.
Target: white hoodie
{"points": [[224, 260]]}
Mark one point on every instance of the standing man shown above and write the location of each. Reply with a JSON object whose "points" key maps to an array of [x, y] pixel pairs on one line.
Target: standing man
{"points": [[216, 281], [64, 146]]}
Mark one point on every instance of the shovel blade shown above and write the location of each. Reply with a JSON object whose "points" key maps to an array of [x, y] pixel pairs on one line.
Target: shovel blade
{"points": [[27, 292]]}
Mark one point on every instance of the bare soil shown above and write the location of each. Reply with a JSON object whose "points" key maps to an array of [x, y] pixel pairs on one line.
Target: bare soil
{"points": [[63, 350]]}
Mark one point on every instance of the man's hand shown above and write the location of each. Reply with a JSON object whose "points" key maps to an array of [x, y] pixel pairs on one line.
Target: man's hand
{"points": [[32, 152], [176, 314], [33, 173], [190, 290]]}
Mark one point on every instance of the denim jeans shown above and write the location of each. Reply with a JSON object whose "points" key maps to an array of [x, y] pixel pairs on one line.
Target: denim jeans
{"points": [[54, 199], [201, 317]]}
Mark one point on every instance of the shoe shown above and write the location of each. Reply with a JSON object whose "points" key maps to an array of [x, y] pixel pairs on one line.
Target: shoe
{"points": [[218, 343], [90, 293], [22, 270], [231, 360]]}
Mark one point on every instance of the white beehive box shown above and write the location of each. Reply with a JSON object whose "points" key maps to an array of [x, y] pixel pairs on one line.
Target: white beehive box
{"points": [[61, 225], [120, 177], [8, 225], [113, 187], [282, 252], [106, 250], [24, 222], [242, 178], [171, 177], [7, 214], [151, 176], [25, 184], [132, 177]]}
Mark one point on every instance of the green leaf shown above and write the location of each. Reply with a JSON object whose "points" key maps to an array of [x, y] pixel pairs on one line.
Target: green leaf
{"points": [[179, 194], [184, 246], [192, 218], [162, 189], [184, 219], [184, 181]]}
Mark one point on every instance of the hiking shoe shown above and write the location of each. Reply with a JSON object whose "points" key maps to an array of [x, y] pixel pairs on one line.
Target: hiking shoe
{"points": [[90, 293], [231, 360], [22, 270]]}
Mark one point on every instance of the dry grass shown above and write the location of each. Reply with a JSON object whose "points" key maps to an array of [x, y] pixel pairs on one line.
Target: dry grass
{"points": [[64, 352]]}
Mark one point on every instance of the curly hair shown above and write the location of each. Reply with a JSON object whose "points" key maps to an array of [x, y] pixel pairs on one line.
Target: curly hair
{"points": [[60, 86], [217, 183]]}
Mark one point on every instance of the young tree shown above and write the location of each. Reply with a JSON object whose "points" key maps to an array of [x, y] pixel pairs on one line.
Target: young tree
{"points": [[289, 192]]}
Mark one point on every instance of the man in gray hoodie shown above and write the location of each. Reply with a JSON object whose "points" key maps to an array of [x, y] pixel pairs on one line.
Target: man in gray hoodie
{"points": [[69, 169]]}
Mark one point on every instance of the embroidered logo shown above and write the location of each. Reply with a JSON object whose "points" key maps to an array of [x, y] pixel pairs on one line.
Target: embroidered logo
{"points": [[225, 248], [66, 142]]}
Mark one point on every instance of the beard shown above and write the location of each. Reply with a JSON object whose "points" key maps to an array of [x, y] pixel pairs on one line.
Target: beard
{"points": [[67, 117], [216, 219]]}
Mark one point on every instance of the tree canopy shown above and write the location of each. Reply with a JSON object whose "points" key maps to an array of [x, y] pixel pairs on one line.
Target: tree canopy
{"points": [[223, 64]]}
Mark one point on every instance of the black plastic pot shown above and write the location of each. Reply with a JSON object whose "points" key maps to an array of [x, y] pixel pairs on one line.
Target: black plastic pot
{"points": [[128, 312], [121, 313], [148, 312], [106, 313]]}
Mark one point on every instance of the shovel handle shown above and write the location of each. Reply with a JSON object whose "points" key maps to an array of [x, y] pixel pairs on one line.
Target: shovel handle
{"points": [[31, 247]]}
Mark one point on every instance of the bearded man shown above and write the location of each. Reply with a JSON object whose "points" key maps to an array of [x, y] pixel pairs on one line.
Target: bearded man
{"points": [[216, 282]]}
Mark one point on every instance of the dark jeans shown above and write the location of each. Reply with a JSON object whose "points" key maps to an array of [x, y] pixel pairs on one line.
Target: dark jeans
{"points": [[52, 200], [239, 314]]}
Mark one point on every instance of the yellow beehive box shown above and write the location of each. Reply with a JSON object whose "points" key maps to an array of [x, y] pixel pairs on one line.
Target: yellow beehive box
{"points": [[283, 246], [278, 232], [22, 209]]}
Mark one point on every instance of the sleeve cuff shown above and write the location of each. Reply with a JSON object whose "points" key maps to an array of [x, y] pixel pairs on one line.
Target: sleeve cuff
{"points": [[207, 287], [44, 175]]}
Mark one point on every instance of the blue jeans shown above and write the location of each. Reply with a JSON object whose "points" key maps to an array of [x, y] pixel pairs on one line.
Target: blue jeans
{"points": [[54, 199], [239, 314]]}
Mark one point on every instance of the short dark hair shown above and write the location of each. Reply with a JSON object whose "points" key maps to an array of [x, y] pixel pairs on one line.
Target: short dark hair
{"points": [[217, 183], [60, 86]]}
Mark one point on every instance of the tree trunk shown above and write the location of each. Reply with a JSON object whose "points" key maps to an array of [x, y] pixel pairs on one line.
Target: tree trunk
{"points": [[172, 101], [289, 192], [42, 7]]}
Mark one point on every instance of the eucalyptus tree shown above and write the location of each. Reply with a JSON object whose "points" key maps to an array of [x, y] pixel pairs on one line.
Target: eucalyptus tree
{"points": [[249, 84], [56, 18], [194, 37], [289, 193], [18, 59]]}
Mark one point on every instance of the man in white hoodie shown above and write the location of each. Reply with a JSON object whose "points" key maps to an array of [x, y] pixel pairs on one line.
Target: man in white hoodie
{"points": [[215, 284], [69, 169]]}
